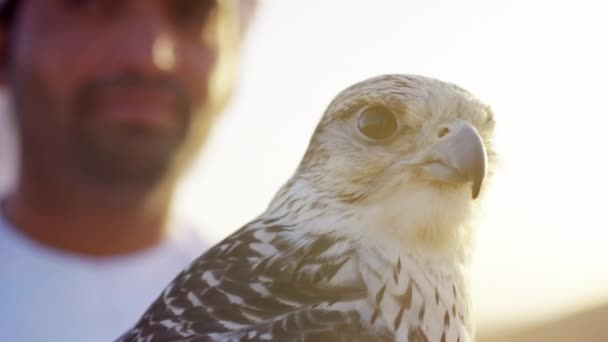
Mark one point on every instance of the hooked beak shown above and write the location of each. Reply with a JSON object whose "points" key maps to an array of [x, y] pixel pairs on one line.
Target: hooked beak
{"points": [[458, 157]]}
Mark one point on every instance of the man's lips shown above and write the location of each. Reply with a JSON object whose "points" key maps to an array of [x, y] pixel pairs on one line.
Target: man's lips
{"points": [[137, 107]]}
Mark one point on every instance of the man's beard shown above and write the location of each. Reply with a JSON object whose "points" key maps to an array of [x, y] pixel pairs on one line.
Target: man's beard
{"points": [[127, 155]]}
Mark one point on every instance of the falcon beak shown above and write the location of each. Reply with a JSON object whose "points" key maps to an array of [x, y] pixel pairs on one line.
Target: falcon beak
{"points": [[458, 157]]}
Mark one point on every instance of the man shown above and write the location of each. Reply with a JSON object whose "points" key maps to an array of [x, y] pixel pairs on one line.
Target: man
{"points": [[112, 100]]}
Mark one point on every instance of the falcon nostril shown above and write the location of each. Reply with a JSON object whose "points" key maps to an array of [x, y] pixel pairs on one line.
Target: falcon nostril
{"points": [[442, 132]]}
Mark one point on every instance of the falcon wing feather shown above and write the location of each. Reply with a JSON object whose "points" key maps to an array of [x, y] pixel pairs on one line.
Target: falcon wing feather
{"points": [[257, 285]]}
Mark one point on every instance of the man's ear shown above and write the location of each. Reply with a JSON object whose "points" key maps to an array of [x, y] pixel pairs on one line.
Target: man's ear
{"points": [[4, 54]]}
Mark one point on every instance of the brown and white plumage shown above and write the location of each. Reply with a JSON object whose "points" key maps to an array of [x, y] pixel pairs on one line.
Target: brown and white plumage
{"points": [[368, 241]]}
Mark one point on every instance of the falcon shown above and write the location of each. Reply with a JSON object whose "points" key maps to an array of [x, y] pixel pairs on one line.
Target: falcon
{"points": [[368, 241]]}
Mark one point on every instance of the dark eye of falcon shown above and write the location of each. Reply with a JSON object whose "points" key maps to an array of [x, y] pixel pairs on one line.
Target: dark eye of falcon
{"points": [[377, 123]]}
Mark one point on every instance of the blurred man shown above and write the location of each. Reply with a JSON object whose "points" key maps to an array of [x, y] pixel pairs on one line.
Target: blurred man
{"points": [[112, 100]]}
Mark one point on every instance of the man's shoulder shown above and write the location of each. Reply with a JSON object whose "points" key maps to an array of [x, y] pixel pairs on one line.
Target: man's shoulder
{"points": [[188, 238]]}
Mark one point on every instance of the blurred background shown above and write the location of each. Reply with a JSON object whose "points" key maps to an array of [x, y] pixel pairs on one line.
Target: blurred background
{"points": [[541, 264]]}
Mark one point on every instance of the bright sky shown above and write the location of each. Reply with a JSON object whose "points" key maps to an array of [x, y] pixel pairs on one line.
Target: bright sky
{"points": [[542, 65]]}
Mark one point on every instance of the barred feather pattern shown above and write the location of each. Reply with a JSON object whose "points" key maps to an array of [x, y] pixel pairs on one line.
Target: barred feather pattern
{"points": [[270, 282]]}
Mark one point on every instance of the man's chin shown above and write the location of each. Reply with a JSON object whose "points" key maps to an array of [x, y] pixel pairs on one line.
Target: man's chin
{"points": [[134, 161]]}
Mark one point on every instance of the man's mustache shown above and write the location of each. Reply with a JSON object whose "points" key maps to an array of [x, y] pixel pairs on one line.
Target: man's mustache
{"points": [[87, 95]]}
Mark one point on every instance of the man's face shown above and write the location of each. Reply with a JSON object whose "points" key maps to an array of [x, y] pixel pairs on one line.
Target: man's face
{"points": [[120, 91]]}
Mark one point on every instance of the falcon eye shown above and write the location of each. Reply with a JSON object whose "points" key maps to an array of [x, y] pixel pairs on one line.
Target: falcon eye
{"points": [[377, 123]]}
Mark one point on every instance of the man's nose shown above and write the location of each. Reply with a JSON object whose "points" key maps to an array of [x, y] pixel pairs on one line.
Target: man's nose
{"points": [[147, 45]]}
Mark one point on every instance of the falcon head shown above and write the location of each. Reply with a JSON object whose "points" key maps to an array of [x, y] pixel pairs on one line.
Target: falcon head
{"points": [[405, 157]]}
